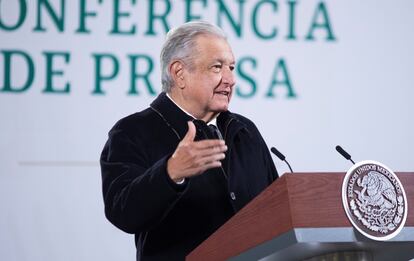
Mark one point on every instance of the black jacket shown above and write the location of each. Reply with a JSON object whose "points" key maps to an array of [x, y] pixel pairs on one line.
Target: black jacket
{"points": [[170, 220]]}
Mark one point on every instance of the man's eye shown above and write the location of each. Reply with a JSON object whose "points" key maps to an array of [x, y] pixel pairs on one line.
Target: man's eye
{"points": [[231, 67], [217, 67]]}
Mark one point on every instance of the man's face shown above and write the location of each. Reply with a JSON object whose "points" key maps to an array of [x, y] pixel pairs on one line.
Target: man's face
{"points": [[209, 83]]}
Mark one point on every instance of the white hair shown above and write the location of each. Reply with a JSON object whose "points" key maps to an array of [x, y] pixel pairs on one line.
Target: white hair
{"points": [[180, 44]]}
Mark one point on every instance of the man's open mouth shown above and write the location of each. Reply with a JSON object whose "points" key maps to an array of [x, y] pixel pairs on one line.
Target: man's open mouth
{"points": [[225, 93]]}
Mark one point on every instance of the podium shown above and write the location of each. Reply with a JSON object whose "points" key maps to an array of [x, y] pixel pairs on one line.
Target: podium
{"points": [[301, 217]]}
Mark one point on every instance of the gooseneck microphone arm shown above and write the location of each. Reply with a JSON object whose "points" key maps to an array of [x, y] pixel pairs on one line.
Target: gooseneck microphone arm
{"points": [[280, 156], [344, 153]]}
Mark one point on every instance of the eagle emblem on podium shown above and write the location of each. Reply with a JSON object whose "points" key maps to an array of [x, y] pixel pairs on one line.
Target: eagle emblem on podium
{"points": [[374, 200]]}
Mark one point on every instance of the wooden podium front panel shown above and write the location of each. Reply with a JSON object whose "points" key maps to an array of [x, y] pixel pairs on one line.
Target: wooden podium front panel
{"points": [[316, 199], [298, 200], [249, 228]]}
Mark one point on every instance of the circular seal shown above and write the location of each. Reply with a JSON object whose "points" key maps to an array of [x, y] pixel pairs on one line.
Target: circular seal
{"points": [[374, 200]]}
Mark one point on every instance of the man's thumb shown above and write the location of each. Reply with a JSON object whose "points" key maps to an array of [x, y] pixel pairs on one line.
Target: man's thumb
{"points": [[191, 132]]}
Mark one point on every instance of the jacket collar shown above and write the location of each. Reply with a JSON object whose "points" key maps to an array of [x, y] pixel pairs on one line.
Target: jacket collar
{"points": [[229, 124], [171, 114], [177, 119]]}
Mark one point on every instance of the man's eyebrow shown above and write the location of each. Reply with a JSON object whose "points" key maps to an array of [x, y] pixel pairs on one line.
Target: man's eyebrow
{"points": [[223, 61]]}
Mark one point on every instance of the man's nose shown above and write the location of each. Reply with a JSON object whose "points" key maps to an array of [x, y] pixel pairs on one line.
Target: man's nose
{"points": [[228, 76]]}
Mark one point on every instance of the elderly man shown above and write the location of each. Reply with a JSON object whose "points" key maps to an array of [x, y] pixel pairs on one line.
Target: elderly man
{"points": [[175, 172]]}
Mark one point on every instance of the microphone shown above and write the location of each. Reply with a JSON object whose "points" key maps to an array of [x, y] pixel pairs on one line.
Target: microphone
{"points": [[280, 156], [344, 153]]}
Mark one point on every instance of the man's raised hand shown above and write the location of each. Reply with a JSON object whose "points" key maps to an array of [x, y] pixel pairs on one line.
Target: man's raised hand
{"points": [[192, 158]]}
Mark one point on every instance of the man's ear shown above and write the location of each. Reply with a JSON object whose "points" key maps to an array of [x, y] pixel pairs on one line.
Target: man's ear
{"points": [[177, 73]]}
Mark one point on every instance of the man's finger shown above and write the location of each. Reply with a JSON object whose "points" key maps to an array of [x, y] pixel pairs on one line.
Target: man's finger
{"points": [[211, 158], [190, 135], [203, 152], [210, 165]]}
